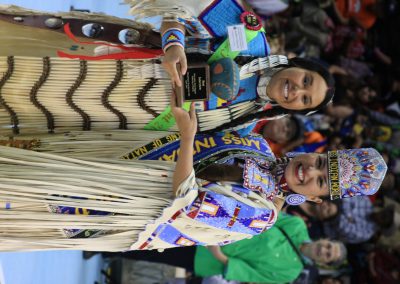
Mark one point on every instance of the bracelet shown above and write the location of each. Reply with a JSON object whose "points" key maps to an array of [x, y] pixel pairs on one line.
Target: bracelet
{"points": [[172, 37]]}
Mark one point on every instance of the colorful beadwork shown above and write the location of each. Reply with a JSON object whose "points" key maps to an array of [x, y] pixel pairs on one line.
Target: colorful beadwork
{"points": [[172, 37], [355, 172], [258, 179], [251, 21], [222, 212]]}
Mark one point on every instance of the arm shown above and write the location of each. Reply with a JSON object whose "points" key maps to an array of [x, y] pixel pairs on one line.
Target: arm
{"points": [[218, 254], [187, 125], [174, 54]]}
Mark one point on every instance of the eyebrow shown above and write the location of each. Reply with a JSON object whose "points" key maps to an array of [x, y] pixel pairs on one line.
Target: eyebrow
{"points": [[325, 159], [311, 82]]}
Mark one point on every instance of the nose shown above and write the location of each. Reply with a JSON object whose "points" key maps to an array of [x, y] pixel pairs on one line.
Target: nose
{"points": [[297, 92], [324, 251], [312, 171]]}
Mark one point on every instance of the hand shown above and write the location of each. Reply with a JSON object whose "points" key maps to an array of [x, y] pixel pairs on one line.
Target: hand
{"points": [[175, 54], [186, 121]]}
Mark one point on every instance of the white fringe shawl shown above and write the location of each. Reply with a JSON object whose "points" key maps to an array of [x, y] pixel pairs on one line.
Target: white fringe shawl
{"points": [[135, 192]]}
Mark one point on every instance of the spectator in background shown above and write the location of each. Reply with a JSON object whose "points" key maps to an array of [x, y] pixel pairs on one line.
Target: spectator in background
{"points": [[383, 267], [353, 224], [290, 134], [311, 31], [362, 12], [315, 215], [269, 257]]}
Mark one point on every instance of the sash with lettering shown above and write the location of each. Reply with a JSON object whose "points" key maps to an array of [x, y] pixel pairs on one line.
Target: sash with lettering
{"points": [[207, 149]]}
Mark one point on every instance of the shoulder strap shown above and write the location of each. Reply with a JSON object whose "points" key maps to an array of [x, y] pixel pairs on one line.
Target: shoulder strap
{"points": [[292, 244]]}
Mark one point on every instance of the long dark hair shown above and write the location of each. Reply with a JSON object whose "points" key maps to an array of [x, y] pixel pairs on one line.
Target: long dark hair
{"points": [[307, 64]]}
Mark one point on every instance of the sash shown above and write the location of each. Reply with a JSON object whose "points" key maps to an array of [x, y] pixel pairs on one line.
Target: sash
{"points": [[207, 149]]}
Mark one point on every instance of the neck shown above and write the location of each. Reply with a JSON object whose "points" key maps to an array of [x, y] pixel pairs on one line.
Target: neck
{"points": [[308, 209], [279, 170], [305, 249]]}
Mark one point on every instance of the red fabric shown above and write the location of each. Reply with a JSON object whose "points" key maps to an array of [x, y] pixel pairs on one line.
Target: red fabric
{"points": [[358, 10], [275, 148]]}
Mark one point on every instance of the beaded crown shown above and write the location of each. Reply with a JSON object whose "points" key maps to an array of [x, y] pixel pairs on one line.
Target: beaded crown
{"points": [[355, 172]]}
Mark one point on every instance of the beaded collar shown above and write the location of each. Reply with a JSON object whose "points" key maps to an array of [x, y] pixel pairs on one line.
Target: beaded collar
{"points": [[258, 175], [263, 82]]}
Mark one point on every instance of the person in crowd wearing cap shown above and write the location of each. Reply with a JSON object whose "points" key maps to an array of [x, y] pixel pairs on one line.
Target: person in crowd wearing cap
{"points": [[276, 256]]}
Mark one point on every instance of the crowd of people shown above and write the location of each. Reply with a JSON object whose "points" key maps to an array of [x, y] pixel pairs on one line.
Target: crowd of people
{"points": [[283, 184], [356, 41]]}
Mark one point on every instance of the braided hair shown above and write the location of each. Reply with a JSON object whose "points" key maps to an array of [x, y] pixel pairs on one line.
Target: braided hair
{"points": [[307, 64]]}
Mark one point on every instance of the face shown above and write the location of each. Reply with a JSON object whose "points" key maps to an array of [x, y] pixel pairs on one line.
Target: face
{"points": [[297, 89], [366, 95], [280, 130], [307, 174], [326, 210], [324, 251]]}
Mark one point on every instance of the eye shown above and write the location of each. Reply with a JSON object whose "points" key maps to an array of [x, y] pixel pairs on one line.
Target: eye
{"points": [[306, 81], [318, 162], [320, 181], [306, 100]]}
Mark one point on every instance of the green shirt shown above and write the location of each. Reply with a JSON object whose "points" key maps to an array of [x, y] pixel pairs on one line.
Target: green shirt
{"points": [[267, 257]]}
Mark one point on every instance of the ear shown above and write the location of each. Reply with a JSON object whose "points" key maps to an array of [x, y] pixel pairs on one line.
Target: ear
{"points": [[314, 199]]}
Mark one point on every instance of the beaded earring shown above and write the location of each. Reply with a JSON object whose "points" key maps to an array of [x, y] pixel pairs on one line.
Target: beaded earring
{"points": [[295, 199]]}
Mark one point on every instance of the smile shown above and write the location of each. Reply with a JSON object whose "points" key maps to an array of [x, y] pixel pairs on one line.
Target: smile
{"points": [[286, 90], [300, 173]]}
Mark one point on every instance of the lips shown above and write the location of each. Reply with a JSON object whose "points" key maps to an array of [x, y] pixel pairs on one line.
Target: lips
{"points": [[299, 172], [286, 90]]}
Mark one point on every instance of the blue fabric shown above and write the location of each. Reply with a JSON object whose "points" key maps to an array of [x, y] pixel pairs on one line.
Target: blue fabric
{"points": [[258, 47], [310, 147], [225, 79], [353, 225], [226, 213], [219, 15], [173, 36], [169, 234], [247, 92]]}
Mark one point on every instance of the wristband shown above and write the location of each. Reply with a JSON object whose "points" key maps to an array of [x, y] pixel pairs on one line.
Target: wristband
{"points": [[172, 37]]}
